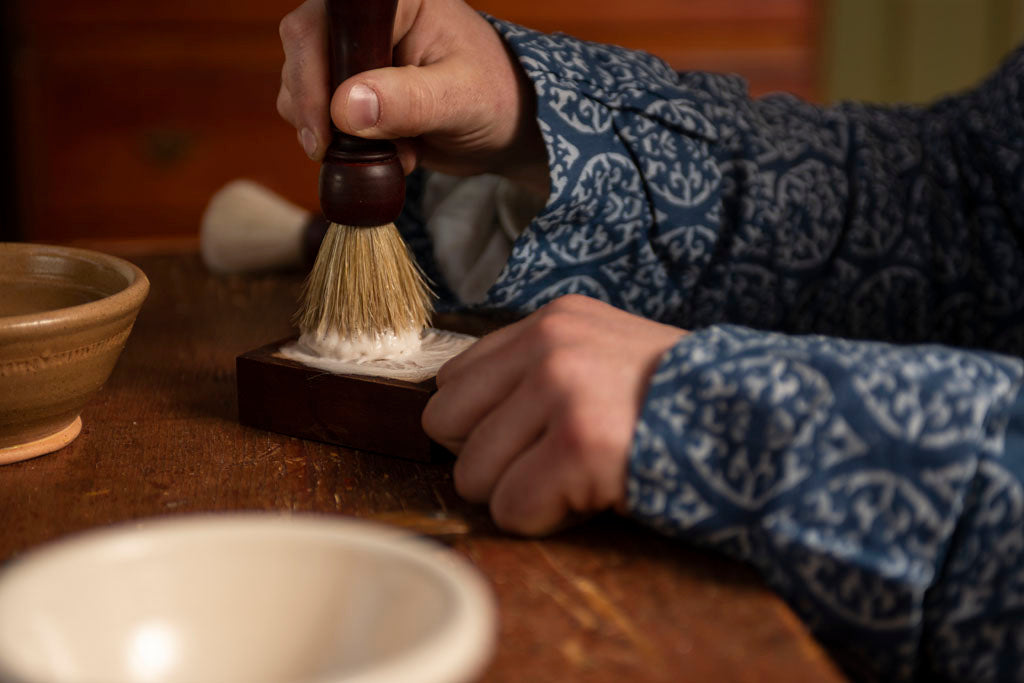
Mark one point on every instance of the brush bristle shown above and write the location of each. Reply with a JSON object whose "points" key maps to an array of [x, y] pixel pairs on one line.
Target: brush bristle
{"points": [[364, 283]]}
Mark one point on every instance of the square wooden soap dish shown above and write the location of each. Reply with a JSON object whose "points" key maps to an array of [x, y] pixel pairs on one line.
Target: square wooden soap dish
{"points": [[375, 414]]}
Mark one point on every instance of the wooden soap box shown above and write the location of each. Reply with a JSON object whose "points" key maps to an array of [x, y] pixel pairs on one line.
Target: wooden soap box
{"points": [[367, 413], [374, 414]]}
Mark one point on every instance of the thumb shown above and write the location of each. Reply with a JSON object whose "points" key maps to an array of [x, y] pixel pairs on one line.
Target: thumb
{"points": [[397, 102]]}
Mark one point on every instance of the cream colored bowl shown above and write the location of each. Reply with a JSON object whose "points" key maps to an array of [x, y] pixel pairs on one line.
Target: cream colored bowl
{"points": [[251, 598], [65, 314]]}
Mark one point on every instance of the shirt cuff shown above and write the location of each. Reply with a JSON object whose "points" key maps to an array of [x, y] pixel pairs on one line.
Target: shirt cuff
{"points": [[623, 132]]}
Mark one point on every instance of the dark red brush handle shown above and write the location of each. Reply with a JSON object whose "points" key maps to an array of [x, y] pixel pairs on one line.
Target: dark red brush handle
{"points": [[361, 181]]}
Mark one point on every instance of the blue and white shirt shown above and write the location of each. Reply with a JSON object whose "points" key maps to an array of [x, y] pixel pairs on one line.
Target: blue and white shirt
{"points": [[847, 413]]}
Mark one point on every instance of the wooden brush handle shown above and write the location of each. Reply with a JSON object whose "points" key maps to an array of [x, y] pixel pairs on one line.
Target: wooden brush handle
{"points": [[361, 181]]}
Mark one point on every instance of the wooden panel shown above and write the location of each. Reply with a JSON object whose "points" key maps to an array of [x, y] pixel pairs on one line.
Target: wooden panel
{"points": [[144, 109], [149, 125], [772, 43]]}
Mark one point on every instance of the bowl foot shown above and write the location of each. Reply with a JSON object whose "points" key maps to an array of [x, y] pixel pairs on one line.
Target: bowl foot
{"points": [[47, 444]]}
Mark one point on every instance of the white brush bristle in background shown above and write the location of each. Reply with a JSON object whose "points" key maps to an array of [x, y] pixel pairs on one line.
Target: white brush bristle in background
{"points": [[247, 228], [364, 284]]}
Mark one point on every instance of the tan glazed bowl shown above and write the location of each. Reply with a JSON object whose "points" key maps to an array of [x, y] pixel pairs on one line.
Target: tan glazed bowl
{"points": [[65, 314]]}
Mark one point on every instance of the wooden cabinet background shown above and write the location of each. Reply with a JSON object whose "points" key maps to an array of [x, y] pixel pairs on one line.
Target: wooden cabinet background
{"points": [[129, 115]]}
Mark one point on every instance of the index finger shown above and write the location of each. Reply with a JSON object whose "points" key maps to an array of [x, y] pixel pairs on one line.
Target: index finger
{"points": [[305, 73], [479, 349]]}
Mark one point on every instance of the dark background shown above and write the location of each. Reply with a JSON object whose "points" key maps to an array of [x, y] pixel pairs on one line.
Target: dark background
{"points": [[9, 228], [128, 116]]}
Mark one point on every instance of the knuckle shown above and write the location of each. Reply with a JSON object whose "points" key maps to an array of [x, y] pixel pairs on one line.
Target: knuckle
{"points": [[554, 325], [545, 372], [467, 482], [436, 422], [284, 104], [586, 436], [562, 370], [447, 372], [294, 28], [571, 302], [507, 515], [525, 513], [443, 425], [431, 419], [575, 300], [577, 435], [421, 98]]}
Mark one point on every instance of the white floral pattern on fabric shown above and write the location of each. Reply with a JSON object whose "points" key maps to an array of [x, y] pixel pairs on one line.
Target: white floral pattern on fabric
{"points": [[848, 473], [678, 197]]}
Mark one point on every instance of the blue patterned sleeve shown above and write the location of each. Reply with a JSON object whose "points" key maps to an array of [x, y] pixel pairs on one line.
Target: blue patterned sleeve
{"points": [[878, 487], [680, 198]]}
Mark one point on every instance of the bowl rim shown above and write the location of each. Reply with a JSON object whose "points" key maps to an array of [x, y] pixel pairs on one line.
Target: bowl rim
{"points": [[457, 651], [107, 308]]}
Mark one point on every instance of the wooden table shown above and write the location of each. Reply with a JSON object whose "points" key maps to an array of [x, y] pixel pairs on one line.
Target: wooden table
{"points": [[606, 601]]}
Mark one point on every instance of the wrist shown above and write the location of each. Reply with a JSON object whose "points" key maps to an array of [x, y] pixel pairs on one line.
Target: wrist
{"points": [[525, 161]]}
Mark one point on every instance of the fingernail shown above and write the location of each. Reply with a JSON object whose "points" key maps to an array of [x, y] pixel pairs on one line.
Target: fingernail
{"points": [[308, 142], [363, 108]]}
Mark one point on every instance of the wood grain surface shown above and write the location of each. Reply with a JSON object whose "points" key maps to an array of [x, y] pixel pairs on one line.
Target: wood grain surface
{"points": [[605, 601]]}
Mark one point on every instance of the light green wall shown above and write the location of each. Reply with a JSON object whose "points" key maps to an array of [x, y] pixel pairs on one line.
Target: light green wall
{"points": [[915, 50]]}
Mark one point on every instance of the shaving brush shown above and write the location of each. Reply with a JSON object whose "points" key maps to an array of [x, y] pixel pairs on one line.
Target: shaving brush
{"points": [[248, 228], [364, 283]]}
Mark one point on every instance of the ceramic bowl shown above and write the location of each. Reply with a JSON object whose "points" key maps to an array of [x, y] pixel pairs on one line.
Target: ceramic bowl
{"points": [[65, 314], [250, 598]]}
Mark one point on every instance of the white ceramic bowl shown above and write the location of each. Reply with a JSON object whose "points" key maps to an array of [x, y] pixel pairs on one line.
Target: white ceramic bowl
{"points": [[246, 598]]}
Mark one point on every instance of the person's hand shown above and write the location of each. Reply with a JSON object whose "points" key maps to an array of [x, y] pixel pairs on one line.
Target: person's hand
{"points": [[541, 413], [456, 99]]}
